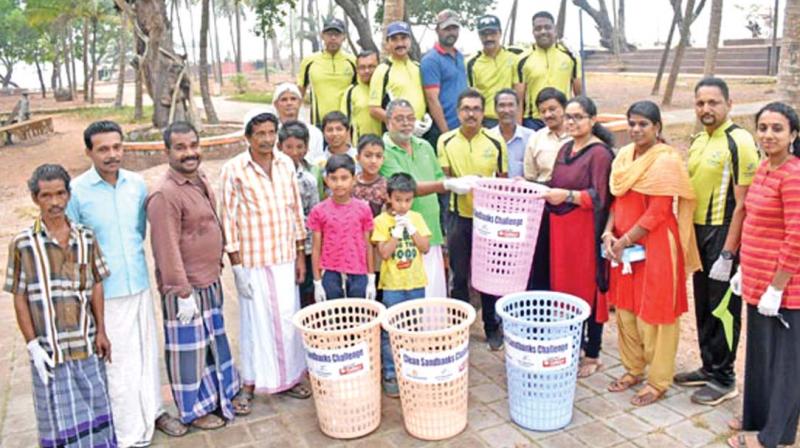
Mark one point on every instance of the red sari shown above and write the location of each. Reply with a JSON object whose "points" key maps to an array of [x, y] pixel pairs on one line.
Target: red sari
{"points": [[575, 264]]}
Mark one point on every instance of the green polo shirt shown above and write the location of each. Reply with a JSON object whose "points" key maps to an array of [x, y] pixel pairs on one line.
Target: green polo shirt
{"points": [[423, 167]]}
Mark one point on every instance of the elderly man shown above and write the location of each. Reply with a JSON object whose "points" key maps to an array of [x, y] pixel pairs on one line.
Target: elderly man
{"points": [[355, 101], [471, 150], [187, 248], [110, 200], [406, 153], [548, 63], [443, 75], [506, 103], [329, 72], [55, 272], [262, 221], [287, 101]]}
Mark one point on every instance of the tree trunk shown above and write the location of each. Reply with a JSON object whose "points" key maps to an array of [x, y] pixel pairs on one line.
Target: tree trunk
{"points": [[266, 59], [512, 28], [291, 42], [789, 70], [191, 32], [94, 61], [710, 65], [604, 25], [122, 43], [71, 56], [393, 10], [561, 20], [85, 60], [301, 33], [665, 54], [276, 53], [165, 77], [41, 78], [211, 114], [676, 62], [55, 78], [353, 11], [238, 37], [138, 103], [220, 79], [180, 28]]}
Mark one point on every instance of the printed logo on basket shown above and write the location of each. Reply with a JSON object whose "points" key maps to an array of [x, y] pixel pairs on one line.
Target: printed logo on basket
{"points": [[434, 362], [537, 355], [331, 364], [499, 226], [435, 368]]}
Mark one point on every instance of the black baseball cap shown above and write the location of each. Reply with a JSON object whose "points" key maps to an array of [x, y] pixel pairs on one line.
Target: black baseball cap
{"points": [[489, 23], [333, 24]]}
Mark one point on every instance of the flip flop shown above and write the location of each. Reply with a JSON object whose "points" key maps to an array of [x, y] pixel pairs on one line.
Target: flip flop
{"points": [[299, 391], [241, 402], [626, 382], [588, 367], [647, 396], [171, 426], [208, 422], [740, 441]]}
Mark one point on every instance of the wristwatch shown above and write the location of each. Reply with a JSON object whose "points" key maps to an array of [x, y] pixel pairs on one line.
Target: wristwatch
{"points": [[727, 255], [570, 196]]}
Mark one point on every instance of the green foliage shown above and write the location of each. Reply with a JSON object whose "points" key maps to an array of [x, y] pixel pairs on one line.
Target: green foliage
{"points": [[253, 97], [17, 39], [239, 81], [423, 12], [270, 14]]}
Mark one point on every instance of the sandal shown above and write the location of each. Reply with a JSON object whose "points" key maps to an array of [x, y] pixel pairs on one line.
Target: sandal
{"points": [[740, 441], [588, 367], [171, 426], [626, 382], [241, 402], [299, 391], [647, 396], [208, 422]]}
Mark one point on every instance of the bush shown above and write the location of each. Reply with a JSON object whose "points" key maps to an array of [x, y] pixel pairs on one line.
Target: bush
{"points": [[239, 81]]}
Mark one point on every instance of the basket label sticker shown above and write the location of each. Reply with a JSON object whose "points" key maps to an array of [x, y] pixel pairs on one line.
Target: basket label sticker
{"points": [[538, 356], [435, 368], [343, 363], [499, 226]]}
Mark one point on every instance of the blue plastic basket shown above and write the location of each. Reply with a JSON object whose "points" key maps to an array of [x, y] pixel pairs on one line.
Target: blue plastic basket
{"points": [[542, 345]]}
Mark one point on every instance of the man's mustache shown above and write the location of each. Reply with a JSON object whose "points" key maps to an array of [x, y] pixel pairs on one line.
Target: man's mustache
{"points": [[55, 209], [186, 159], [112, 160]]}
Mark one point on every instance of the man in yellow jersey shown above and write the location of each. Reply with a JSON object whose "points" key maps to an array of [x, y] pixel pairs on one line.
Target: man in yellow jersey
{"points": [[548, 63], [397, 77], [355, 100], [329, 72], [470, 150], [493, 68], [722, 163]]}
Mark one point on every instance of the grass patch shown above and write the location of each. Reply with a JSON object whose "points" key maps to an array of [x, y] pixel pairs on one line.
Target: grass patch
{"points": [[122, 115], [253, 97]]}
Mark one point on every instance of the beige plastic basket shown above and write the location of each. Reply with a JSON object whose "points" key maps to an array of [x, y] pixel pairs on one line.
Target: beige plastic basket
{"points": [[430, 346], [343, 351]]}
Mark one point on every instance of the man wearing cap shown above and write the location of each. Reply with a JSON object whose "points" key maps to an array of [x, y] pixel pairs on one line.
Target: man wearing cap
{"points": [[548, 63], [493, 68], [443, 76], [397, 77], [287, 100], [355, 100], [329, 72], [264, 234]]}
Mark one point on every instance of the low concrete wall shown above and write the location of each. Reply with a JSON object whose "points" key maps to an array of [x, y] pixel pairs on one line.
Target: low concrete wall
{"points": [[143, 155]]}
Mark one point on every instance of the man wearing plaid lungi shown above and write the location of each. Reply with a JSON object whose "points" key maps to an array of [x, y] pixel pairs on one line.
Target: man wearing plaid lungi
{"points": [[187, 246], [55, 272]]}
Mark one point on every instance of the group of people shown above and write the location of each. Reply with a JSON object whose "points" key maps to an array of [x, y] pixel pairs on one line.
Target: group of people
{"points": [[372, 199]]}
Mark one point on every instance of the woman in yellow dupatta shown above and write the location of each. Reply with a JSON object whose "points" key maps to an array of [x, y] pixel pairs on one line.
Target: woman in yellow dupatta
{"points": [[647, 176]]}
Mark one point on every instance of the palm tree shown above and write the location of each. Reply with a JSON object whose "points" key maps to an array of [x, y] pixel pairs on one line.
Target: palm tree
{"points": [[676, 62], [713, 38], [211, 114], [789, 71]]}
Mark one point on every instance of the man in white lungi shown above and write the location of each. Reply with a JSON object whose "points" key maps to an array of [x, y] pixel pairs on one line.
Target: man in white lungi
{"points": [[262, 219], [110, 201]]}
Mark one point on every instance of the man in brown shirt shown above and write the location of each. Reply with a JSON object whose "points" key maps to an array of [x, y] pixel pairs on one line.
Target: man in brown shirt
{"points": [[187, 246]]}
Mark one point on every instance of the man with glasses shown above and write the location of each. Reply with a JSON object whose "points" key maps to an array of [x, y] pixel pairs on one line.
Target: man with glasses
{"points": [[470, 150]]}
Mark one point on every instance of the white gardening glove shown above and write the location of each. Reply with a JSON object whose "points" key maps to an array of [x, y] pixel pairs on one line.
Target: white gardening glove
{"points": [[770, 302], [319, 292], [721, 270], [460, 185], [243, 286], [421, 127], [736, 282], [410, 227], [43, 363], [372, 293], [400, 222], [187, 309]]}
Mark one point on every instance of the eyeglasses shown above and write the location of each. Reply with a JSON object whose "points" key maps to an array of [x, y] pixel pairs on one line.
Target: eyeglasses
{"points": [[575, 118], [401, 119]]}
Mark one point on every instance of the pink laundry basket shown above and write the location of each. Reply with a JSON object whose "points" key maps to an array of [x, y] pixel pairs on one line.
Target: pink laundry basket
{"points": [[342, 339], [505, 225]]}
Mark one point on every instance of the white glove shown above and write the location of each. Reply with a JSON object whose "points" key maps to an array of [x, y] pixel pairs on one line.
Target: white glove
{"points": [[41, 361], [187, 309], [736, 282], [410, 228], [770, 302], [421, 127], [319, 292], [400, 222], [721, 270], [372, 293], [460, 185], [243, 286]]}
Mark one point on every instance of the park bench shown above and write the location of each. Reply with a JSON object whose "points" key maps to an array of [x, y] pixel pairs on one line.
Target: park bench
{"points": [[28, 129]]}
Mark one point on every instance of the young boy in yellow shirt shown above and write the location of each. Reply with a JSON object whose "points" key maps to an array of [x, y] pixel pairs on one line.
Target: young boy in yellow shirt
{"points": [[402, 238]]}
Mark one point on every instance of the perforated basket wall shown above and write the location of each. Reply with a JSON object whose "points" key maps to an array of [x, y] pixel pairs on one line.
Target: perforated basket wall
{"points": [[540, 397], [431, 328], [502, 255], [348, 405]]}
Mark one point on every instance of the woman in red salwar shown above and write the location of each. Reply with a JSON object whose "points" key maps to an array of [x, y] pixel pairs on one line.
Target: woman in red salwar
{"points": [[650, 295], [578, 202]]}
